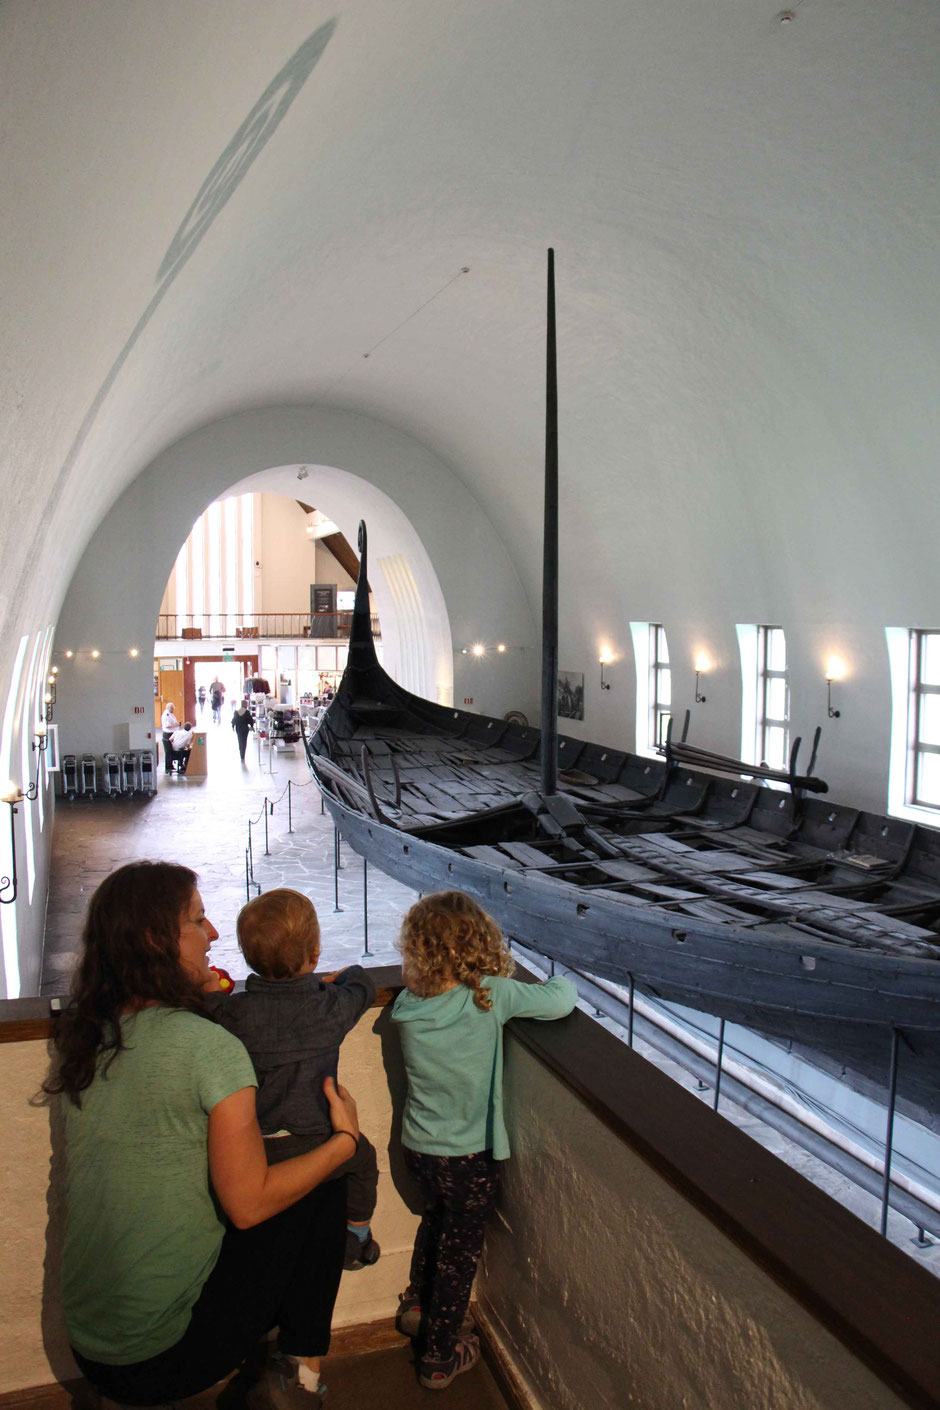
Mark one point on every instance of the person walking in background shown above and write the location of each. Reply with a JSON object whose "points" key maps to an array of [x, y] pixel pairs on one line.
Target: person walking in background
{"points": [[450, 1017], [243, 725], [216, 696], [168, 723], [201, 697]]}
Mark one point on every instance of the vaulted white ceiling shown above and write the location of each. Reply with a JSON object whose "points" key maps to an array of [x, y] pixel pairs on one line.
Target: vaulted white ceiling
{"points": [[215, 205]]}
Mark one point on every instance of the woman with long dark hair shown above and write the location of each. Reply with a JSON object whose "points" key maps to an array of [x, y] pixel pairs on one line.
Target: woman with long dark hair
{"points": [[182, 1247]]}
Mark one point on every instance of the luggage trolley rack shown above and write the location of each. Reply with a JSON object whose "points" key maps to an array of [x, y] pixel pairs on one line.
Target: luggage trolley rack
{"points": [[128, 773], [111, 775]]}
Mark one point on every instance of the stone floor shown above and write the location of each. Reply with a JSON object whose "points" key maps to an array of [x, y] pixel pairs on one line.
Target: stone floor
{"points": [[204, 823]]}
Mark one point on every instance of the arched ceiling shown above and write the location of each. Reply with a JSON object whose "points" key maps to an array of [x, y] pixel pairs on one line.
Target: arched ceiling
{"points": [[222, 205]]}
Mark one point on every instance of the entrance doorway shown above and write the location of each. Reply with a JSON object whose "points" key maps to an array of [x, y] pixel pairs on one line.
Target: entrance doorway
{"points": [[231, 674]]}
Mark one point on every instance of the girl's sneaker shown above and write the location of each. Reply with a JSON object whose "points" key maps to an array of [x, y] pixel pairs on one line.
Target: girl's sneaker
{"points": [[408, 1318], [437, 1375]]}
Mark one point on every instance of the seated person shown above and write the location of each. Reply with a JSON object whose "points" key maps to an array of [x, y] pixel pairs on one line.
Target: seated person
{"points": [[292, 1024], [183, 1247], [182, 744]]}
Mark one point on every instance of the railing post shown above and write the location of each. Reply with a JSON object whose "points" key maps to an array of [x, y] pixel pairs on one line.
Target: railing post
{"points": [[721, 1049], [630, 1020], [889, 1129], [366, 953], [336, 904]]}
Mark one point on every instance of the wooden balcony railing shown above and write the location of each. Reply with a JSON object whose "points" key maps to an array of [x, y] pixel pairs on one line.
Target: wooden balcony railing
{"points": [[238, 626]]}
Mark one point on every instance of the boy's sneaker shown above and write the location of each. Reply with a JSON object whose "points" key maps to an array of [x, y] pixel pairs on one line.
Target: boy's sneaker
{"points": [[279, 1388], [437, 1375], [408, 1318], [359, 1254]]}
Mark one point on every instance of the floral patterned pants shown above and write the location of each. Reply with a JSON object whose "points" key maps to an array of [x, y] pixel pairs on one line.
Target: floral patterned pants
{"points": [[459, 1193]]}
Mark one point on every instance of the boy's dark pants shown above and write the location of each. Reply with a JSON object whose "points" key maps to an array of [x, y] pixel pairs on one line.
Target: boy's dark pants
{"points": [[361, 1170], [460, 1191]]}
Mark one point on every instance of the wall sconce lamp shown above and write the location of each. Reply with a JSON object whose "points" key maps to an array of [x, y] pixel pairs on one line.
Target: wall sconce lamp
{"points": [[835, 671], [14, 795], [605, 660], [702, 666], [49, 700], [41, 738]]}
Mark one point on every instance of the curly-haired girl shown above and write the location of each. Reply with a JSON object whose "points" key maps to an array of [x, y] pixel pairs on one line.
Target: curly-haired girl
{"points": [[456, 967]]}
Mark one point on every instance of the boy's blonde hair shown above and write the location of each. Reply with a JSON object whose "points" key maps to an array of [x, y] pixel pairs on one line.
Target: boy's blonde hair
{"points": [[278, 933], [446, 937]]}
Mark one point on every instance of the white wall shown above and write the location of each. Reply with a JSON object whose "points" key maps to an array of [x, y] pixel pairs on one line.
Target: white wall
{"points": [[287, 554]]}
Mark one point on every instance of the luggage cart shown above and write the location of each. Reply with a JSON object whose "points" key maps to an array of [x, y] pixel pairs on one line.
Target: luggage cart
{"points": [[147, 772], [111, 775], [88, 775], [69, 776], [130, 772]]}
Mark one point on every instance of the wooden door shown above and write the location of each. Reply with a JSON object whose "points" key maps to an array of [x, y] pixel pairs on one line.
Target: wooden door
{"points": [[169, 687]]}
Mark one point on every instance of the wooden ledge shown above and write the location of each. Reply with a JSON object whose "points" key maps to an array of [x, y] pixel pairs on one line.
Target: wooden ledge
{"points": [[29, 1020]]}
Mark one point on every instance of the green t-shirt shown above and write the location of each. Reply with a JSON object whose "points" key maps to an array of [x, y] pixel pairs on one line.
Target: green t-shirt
{"points": [[454, 1061], [142, 1230]]}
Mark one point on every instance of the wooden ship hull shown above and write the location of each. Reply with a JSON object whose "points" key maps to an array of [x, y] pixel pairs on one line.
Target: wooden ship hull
{"points": [[811, 922]]}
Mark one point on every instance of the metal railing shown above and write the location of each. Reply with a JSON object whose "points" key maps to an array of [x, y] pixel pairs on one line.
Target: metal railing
{"points": [[247, 626], [803, 1125]]}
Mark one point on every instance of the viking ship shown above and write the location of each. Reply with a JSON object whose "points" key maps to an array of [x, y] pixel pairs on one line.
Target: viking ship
{"points": [[686, 876]]}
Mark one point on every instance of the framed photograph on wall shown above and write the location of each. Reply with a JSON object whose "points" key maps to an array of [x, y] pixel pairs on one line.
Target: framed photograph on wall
{"points": [[570, 695]]}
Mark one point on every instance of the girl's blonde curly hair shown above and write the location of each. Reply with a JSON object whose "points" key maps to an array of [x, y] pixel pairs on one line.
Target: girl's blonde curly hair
{"points": [[447, 937]]}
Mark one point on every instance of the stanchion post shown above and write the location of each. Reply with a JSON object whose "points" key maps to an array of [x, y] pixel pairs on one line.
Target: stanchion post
{"points": [[290, 820], [336, 904], [251, 855], [720, 1055], [630, 1019], [247, 879], [267, 850], [889, 1130], [366, 953]]}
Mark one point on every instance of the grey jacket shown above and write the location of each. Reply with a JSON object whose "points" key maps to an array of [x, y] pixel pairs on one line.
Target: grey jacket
{"points": [[292, 1029]]}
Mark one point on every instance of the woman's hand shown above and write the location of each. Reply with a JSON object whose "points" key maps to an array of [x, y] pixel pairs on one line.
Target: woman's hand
{"points": [[343, 1113], [248, 1189]]}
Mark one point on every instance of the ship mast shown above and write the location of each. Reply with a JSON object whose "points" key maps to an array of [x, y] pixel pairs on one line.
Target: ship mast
{"points": [[549, 750]]}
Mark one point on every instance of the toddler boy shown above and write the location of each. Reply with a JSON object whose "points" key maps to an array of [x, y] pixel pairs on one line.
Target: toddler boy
{"points": [[292, 1024]]}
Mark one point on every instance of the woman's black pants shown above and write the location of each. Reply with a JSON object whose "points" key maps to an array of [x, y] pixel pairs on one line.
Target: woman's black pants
{"points": [[283, 1273]]}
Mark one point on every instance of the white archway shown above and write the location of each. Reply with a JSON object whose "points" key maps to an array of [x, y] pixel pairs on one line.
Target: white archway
{"points": [[416, 636], [447, 578]]}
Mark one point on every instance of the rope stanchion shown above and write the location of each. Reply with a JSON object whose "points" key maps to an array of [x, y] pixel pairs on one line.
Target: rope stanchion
{"points": [[267, 811]]}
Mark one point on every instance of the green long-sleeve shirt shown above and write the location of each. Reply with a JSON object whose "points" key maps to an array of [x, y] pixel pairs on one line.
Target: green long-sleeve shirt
{"points": [[454, 1061]]}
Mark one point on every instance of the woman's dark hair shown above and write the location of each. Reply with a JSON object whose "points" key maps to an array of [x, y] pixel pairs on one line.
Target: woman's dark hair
{"points": [[130, 955]]}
